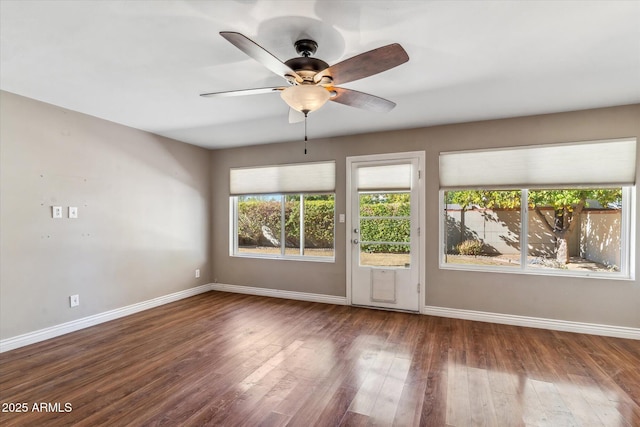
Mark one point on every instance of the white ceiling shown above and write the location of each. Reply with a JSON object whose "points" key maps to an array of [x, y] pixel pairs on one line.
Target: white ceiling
{"points": [[144, 63]]}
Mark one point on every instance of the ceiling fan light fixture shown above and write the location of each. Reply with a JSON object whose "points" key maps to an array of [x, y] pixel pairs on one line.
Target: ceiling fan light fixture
{"points": [[305, 98]]}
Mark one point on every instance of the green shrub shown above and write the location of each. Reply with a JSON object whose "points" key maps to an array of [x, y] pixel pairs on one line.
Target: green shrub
{"points": [[385, 230], [470, 247], [319, 224], [254, 214]]}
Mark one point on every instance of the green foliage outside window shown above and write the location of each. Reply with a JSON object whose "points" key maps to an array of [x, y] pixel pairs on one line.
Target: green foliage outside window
{"points": [[254, 213], [318, 222], [510, 199], [385, 229]]}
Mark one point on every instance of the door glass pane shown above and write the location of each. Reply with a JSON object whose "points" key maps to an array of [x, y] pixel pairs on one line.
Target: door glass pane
{"points": [[385, 229]]}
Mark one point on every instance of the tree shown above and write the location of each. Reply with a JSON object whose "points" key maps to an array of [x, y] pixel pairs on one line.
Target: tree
{"points": [[567, 206]]}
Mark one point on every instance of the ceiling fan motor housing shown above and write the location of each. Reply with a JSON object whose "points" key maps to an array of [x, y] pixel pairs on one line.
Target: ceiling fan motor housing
{"points": [[304, 65], [307, 64]]}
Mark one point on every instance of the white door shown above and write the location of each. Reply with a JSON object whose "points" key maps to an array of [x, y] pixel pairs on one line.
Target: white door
{"points": [[384, 242]]}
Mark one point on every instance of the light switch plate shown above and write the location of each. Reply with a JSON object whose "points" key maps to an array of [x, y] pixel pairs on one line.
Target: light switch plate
{"points": [[74, 300], [73, 212], [56, 211]]}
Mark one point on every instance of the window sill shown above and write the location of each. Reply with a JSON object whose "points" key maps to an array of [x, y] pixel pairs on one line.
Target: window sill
{"points": [[537, 272], [287, 258]]}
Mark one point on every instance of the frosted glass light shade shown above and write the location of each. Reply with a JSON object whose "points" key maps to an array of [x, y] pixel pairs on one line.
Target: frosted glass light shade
{"points": [[305, 98]]}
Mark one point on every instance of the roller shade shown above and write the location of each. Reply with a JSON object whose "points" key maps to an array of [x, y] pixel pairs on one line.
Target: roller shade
{"points": [[610, 162], [386, 177], [299, 178]]}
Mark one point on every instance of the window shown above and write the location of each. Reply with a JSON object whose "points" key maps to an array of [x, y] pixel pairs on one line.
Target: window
{"points": [[269, 220], [287, 226], [572, 230], [575, 219]]}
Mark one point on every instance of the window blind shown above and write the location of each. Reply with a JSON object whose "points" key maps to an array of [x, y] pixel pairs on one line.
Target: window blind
{"points": [[296, 178], [607, 162], [384, 177]]}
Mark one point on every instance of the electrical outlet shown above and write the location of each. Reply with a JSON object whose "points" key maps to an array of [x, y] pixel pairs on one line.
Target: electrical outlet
{"points": [[197, 273], [74, 300], [56, 211]]}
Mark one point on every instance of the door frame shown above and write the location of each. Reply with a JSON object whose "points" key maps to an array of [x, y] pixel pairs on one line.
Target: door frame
{"points": [[420, 156]]}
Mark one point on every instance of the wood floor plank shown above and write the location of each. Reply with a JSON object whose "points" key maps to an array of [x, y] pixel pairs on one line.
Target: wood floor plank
{"points": [[410, 403], [364, 401], [581, 410], [229, 359], [458, 397], [483, 411], [605, 409], [388, 399], [556, 410], [353, 419]]}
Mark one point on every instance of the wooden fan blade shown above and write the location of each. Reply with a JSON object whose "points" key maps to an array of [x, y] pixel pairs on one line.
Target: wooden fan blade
{"points": [[366, 64], [295, 116], [353, 98], [260, 54], [243, 92]]}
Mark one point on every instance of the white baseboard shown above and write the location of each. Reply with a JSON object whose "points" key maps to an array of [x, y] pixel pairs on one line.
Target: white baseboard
{"points": [[85, 322], [535, 322], [276, 293]]}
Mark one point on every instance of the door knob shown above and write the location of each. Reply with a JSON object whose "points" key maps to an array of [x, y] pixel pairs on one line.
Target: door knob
{"points": [[356, 230], [355, 241]]}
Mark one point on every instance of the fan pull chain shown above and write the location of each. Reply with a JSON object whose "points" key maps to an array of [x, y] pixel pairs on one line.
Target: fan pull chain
{"points": [[305, 133]]}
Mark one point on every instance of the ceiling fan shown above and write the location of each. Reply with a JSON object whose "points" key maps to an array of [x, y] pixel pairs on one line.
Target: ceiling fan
{"points": [[312, 82]]}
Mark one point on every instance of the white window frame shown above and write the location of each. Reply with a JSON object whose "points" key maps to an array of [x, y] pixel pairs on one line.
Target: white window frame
{"points": [[233, 233], [627, 245]]}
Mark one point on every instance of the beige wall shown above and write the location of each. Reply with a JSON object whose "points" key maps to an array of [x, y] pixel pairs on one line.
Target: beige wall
{"points": [[610, 302], [143, 225]]}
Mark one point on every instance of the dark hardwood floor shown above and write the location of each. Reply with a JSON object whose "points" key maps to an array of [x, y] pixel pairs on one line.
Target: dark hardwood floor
{"points": [[230, 359]]}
